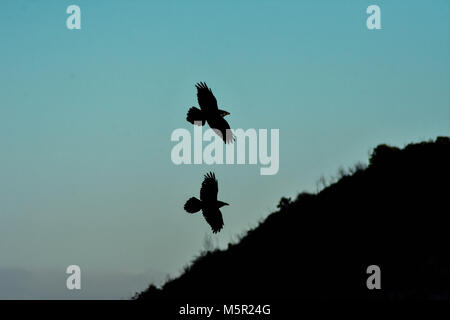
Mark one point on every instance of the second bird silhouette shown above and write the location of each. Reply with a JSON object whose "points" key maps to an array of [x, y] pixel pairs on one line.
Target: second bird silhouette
{"points": [[210, 112], [208, 203]]}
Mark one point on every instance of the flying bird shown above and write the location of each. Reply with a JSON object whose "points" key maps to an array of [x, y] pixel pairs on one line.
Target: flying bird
{"points": [[210, 112], [208, 203]]}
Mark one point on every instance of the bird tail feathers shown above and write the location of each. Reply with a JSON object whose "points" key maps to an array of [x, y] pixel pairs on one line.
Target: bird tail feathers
{"points": [[195, 115], [193, 205]]}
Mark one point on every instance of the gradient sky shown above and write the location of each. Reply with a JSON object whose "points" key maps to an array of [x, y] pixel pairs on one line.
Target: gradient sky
{"points": [[86, 117]]}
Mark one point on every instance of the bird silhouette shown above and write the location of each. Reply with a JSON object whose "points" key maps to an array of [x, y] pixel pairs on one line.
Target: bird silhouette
{"points": [[210, 112], [208, 203]]}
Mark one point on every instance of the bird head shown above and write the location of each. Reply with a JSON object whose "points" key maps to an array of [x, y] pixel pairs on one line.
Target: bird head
{"points": [[221, 204], [223, 113]]}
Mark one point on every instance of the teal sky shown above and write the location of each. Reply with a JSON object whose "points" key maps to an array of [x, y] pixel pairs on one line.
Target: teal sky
{"points": [[86, 117]]}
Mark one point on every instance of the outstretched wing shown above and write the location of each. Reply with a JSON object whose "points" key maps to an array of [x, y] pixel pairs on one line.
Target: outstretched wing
{"points": [[214, 218], [205, 97], [209, 189], [222, 128]]}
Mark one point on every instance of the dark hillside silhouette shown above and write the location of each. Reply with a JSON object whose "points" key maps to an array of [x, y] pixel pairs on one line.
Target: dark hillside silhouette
{"points": [[393, 214]]}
